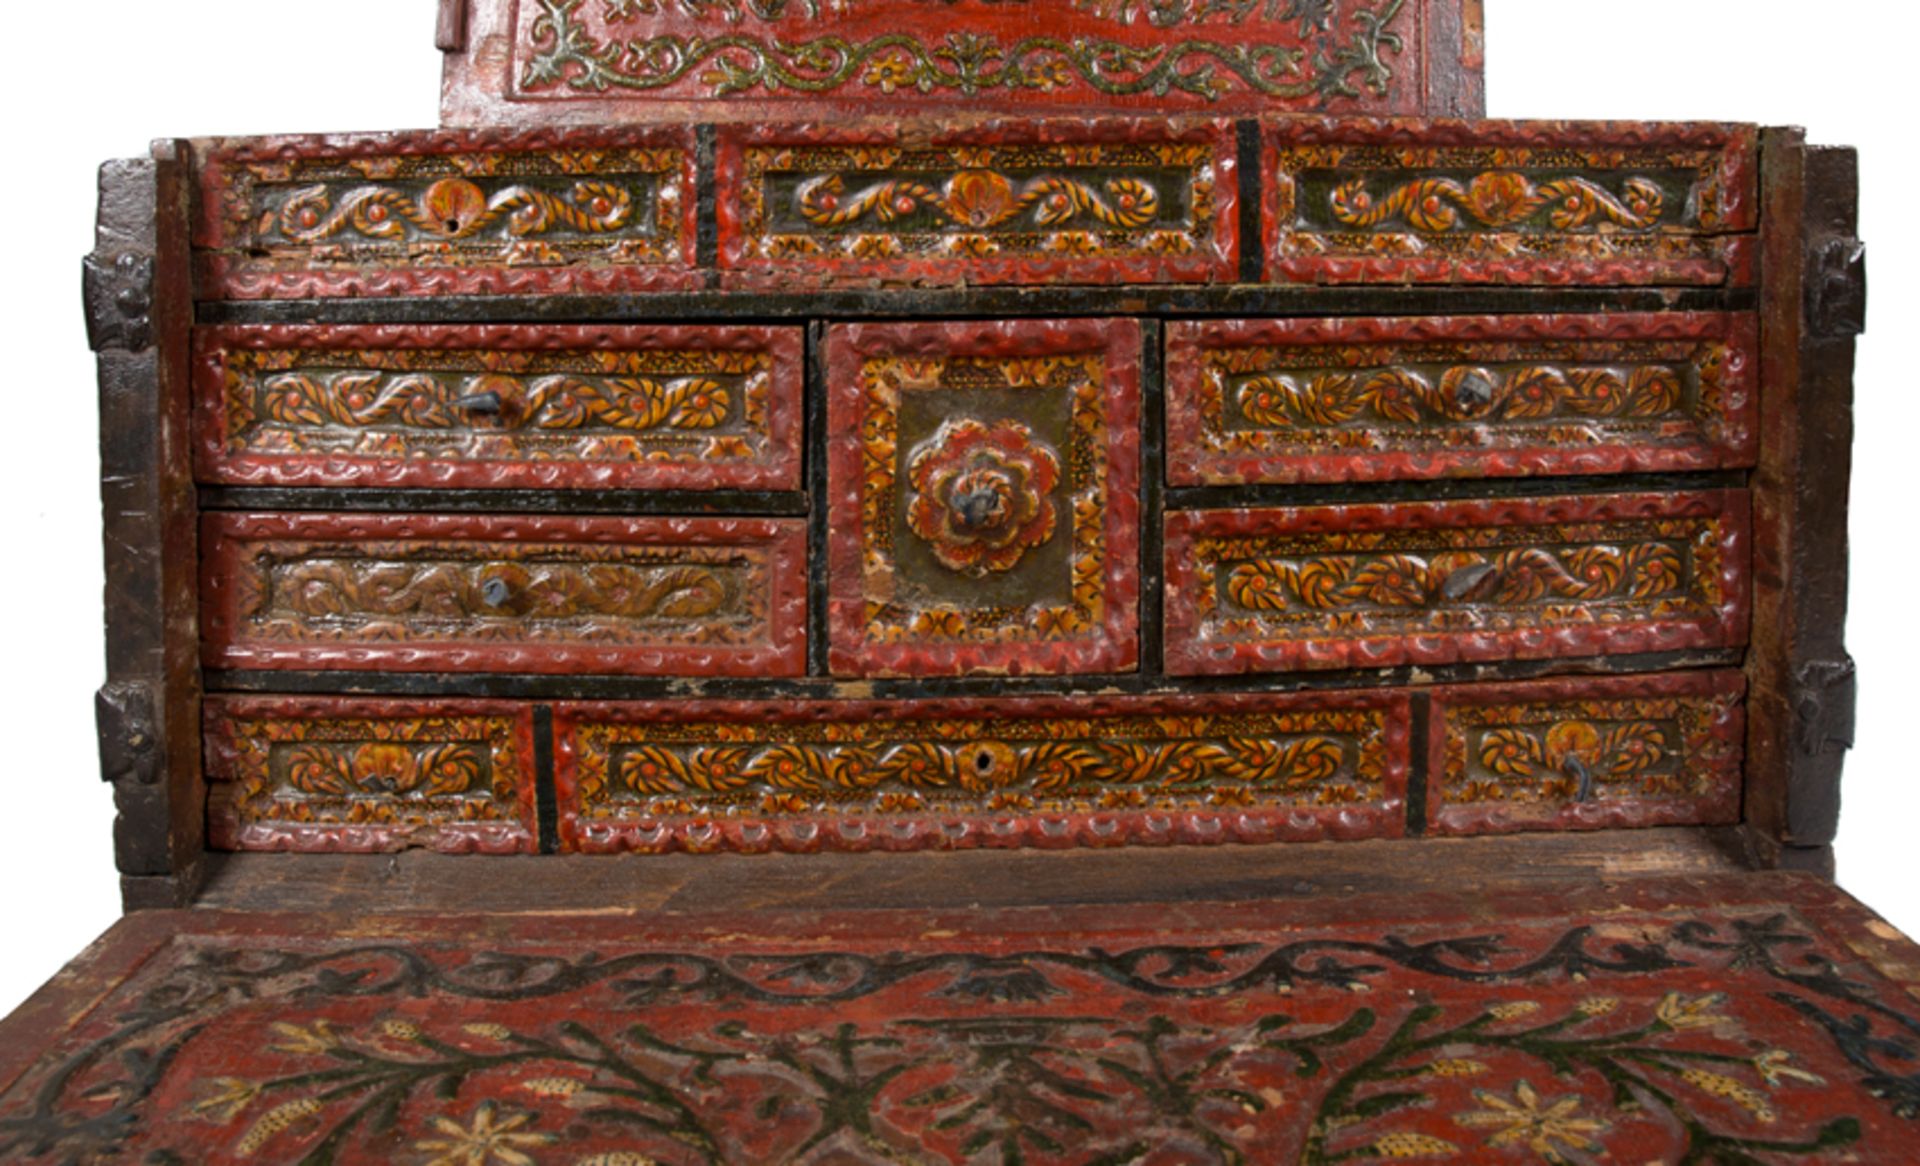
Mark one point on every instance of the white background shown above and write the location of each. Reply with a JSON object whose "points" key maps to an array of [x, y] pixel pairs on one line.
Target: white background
{"points": [[88, 82]]}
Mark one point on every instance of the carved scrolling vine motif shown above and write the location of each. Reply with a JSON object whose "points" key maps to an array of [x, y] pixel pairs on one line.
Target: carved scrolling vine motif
{"points": [[1500, 200], [1335, 55], [1438, 395], [1322, 758]]}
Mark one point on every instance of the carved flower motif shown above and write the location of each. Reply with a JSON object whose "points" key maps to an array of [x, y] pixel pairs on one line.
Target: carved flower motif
{"points": [[1501, 198], [980, 198], [1543, 1126], [980, 495]]}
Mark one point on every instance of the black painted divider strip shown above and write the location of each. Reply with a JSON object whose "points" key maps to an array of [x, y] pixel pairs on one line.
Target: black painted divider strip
{"points": [[1253, 256], [706, 239], [531, 687], [815, 456], [1417, 775], [1153, 444], [974, 303], [1344, 493], [546, 796]]}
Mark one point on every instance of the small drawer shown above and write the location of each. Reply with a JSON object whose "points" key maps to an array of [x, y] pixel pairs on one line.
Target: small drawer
{"points": [[1585, 754], [338, 774], [1094, 201], [1320, 587], [983, 505], [638, 596], [696, 408], [447, 213], [1349, 400], [1360, 201], [1054, 772]]}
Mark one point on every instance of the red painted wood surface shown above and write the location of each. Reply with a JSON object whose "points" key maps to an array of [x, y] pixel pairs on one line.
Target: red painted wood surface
{"points": [[338, 774], [1338, 400], [448, 213], [1314, 587], [1586, 754], [1761, 1016], [951, 774], [1097, 201], [1384, 201], [1040, 418], [640, 596], [662, 408], [748, 60]]}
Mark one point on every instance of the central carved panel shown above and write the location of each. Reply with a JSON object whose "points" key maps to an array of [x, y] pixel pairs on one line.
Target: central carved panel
{"points": [[985, 520]]}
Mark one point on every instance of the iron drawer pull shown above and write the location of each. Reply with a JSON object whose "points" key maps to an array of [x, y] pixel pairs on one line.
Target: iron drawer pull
{"points": [[487, 402]]}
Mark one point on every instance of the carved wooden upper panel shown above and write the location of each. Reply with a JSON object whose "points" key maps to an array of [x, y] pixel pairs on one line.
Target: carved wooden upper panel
{"points": [[748, 60]]}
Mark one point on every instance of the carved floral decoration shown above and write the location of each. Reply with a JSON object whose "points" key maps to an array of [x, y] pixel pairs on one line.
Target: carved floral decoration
{"points": [[981, 494]]}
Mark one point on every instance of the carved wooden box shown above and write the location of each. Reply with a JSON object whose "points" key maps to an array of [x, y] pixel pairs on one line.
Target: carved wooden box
{"points": [[1158, 599]]}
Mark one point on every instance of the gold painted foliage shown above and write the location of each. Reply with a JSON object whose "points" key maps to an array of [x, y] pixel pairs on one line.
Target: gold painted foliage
{"points": [[1458, 394], [419, 400], [1522, 576]]}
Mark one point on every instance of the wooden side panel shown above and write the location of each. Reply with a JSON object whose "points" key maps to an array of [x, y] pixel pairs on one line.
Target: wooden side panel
{"points": [[824, 775], [1315, 587], [749, 60], [1802, 679], [1586, 754], [687, 408], [1376, 201], [983, 498], [446, 214], [1342, 400], [333, 774], [645, 596], [1087, 201], [138, 312]]}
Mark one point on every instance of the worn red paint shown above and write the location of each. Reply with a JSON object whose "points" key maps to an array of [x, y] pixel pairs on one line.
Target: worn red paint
{"points": [[1363, 586], [575, 413], [446, 213], [1380, 200], [1097, 201], [1658, 750], [1377, 430], [893, 390], [350, 775], [1045, 772], [727, 60], [637, 596], [1753, 1014]]}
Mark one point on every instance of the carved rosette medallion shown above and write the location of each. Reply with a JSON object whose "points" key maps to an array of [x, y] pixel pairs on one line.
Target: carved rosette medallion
{"points": [[985, 519], [981, 495]]}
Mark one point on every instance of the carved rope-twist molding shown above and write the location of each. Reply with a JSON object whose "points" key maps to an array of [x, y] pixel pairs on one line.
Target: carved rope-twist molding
{"points": [[1525, 575], [982, 199], [1500, 199], [1461, 393], [380, 212], [422, 401]]}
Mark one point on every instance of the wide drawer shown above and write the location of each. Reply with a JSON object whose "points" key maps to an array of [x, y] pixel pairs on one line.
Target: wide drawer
{"points": [[1317, 587], [868, 775], [686, 408], [1334, 400], [650, 596], [335, 774]]}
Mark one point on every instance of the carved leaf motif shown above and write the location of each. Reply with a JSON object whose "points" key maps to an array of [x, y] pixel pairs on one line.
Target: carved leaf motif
{"points": [[321, 770], [653, 770], [448, 770], [1511, 752], [1052, 766], [1392, 581], [1655, 569], [1634, 747], [919, 764], [1536, 392], [1595, 571], [1395, 394], [1258, 586], [1653, 392]]}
